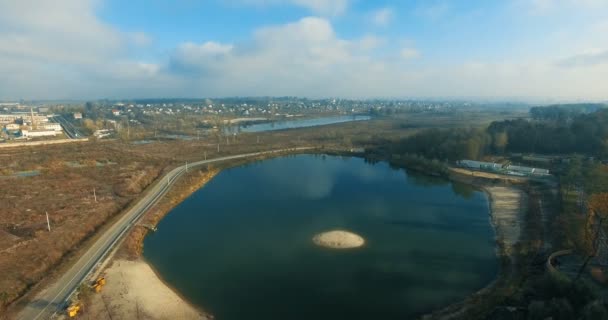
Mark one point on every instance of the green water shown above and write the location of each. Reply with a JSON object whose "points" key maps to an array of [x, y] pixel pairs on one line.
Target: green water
{"points": [[241, 246]]}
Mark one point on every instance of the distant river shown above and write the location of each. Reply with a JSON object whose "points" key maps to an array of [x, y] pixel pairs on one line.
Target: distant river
{"points": [[297, 123], [241, 246]]}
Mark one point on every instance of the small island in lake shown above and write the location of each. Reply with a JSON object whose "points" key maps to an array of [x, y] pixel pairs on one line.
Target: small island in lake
{"points": [[338, 239]]}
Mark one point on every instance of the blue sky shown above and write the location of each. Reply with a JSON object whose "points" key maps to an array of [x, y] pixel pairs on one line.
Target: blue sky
{"points": [[550, 50]]}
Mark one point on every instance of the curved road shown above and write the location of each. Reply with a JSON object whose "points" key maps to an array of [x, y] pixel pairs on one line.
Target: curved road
{"points": [[54, 297]]}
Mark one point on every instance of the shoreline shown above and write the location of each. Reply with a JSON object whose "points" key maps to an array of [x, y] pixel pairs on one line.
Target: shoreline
{"points": [[134, 290], [501, 218], [130, 252], [144, 294], [131, 249]]}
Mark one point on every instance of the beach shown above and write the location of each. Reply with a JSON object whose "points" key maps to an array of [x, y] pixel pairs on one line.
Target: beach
{"points": [[134, 291]]}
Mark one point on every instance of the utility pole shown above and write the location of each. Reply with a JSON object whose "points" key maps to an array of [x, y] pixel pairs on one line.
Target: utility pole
{"points": [[218, 147], [94, 195], [205, 155], [48, 223], [186, 166]]}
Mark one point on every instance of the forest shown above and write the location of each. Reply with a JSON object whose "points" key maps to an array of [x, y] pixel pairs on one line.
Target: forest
{"points": [[583, 133]]}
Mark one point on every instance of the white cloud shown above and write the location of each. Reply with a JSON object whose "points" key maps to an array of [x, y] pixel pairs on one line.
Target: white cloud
{"points": [[546, 7], [308, 58], [322, 7], [542, 6], [208, 48], [588, 58], [370, 42], [58, 31], [61, 49], [140, 39], [409, 53], [382, 17], [301, 58]]}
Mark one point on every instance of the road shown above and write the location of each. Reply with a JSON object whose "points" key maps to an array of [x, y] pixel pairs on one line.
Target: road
{"points": [[54, 297], [68, 128]]}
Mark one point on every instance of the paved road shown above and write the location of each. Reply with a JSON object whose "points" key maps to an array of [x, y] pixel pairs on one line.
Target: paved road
{"points": [[54, 298], [68, 128]]}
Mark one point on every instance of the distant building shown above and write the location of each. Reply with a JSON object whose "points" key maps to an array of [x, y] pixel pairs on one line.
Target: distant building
{"points": [[102, 133], [43, 109], [479, 165], [9, 118], [510, 169], [527, 170], [12, 127], [536, 158], [113, 123], [116, 112], [38, 133], [77, 115], [51, 126]]}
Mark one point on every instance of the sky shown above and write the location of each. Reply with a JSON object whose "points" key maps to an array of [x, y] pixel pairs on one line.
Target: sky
{"points": [[526, 50]]}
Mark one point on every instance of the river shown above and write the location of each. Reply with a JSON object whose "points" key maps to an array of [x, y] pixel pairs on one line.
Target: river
{"points": [[297, 123], [241, 246]]}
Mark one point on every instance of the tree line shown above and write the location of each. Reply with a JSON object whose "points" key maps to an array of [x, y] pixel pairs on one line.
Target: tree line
{"points": [[584, 134]]}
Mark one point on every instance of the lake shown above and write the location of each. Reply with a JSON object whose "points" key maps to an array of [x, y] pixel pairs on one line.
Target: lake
{"points": [[241, 247]]}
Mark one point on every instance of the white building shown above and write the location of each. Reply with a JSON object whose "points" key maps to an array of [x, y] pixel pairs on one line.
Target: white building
{"points": [[479, 165], [12, 127], [38, 133], [51, 126], [9, 118], [102, 133]]}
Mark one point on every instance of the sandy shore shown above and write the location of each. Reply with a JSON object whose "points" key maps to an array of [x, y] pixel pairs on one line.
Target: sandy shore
{"points": [[134, 291], [508, 205]]}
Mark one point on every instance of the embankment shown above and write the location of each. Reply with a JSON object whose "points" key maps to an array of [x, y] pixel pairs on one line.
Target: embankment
{"points": [[508, 206], [133, 243]]}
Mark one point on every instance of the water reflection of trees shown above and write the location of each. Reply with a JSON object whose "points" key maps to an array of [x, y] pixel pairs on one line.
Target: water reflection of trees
{"points": [[425, 180], [464, 190]]}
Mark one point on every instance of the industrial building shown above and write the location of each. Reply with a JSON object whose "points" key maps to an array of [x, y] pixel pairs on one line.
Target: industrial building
{"points": [[38, 133], [503, 169], [479, 165]]}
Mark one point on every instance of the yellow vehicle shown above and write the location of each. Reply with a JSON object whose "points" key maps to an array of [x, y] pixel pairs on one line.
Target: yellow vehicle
{"points": [[99, 283], [73, 309]]}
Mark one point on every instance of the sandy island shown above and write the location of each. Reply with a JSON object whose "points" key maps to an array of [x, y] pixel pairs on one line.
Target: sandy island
{"points": [[338, 239], [134, 291]]}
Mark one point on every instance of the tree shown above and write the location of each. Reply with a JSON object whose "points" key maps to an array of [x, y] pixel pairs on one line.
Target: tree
{"points": [[573, 175], [90, 125], [598, 213], [501, 139]]}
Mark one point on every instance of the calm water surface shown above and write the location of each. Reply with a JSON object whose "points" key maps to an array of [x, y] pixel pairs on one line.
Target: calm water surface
{"points": [[241, 246], [298, 123]]}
